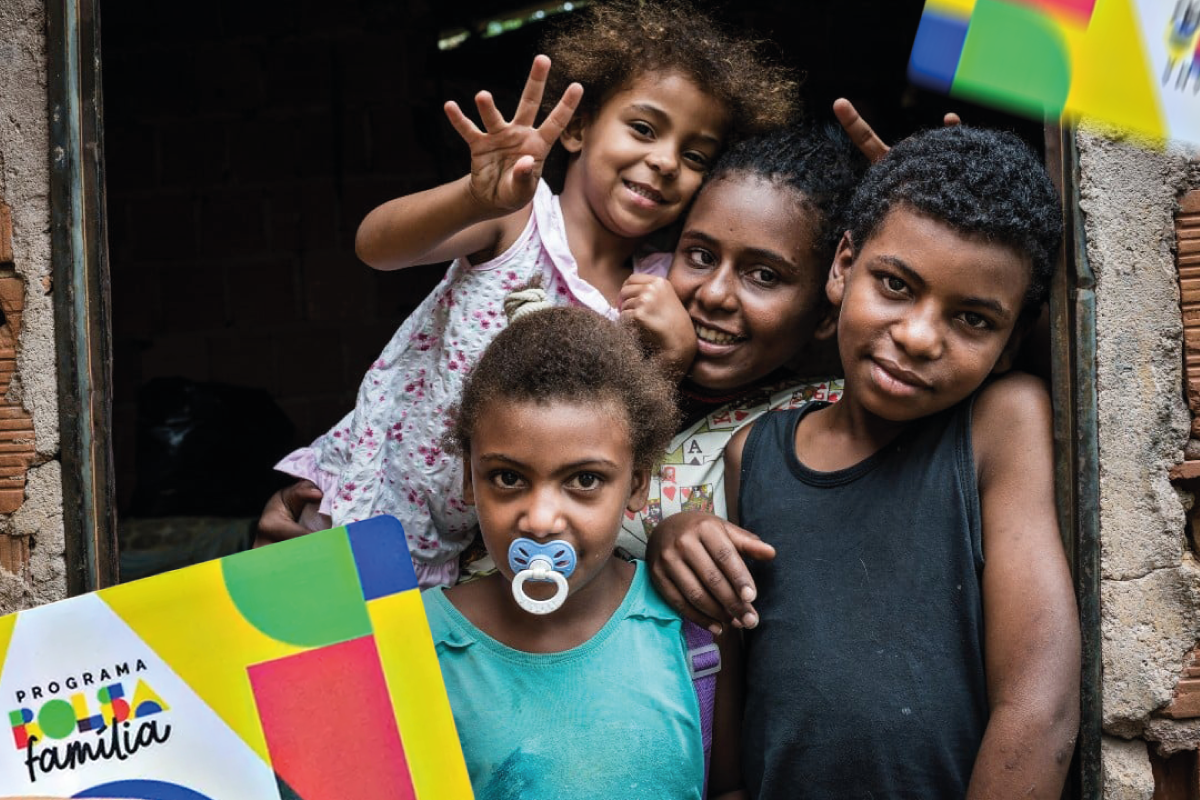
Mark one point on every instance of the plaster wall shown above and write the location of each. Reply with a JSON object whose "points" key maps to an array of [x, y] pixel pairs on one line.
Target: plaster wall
{"points": [[25, 188], [1150, 585]]}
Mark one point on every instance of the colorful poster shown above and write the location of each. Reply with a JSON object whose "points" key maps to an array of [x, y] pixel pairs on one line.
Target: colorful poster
{"points": [[1128, 63], [302, 671]]}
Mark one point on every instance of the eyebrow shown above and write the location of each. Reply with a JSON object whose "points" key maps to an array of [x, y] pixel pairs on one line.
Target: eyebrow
{"points": [[913, 277], [655, 111], [755, 252], [583, 463]]}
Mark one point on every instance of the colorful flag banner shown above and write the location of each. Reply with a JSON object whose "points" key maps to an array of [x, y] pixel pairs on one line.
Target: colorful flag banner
{"points": [[1129, 63], [302, 671]]}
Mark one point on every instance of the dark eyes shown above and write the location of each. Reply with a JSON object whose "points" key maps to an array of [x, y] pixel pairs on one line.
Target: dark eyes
{"points": [[642, 128], [974, 320], [897, 287], [506, 479], [509, 479], [586, 481], [765, 276], [694, 158], [700, 257]]}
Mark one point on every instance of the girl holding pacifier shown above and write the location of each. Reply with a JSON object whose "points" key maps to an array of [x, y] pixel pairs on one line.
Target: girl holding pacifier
{"points": [[568, 675]]}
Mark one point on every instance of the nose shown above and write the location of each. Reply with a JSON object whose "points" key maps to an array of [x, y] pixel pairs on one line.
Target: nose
{"points": [[663, 158], [718, 291], [919, 333], [543, 516]]}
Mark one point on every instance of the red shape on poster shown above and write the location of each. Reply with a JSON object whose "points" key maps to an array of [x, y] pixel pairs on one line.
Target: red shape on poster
{"points": [[1080, 11], [334, 695]]}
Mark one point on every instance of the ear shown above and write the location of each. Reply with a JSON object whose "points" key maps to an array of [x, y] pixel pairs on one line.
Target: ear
{"points": [[835, 284], [572, 135], [1012, 348], [468, 483], [826, 327], [639, 490]]}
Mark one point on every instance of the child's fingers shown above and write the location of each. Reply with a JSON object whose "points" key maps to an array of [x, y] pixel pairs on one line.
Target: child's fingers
{"points": [[524, 171], [531, 96], [461, 122], [554, 124], [631, 294], [750, 546], [299, 494], [859, 131], [717, 560], [491, 117], [643, 288], [715, 581], [640, 279], [686, 595]]}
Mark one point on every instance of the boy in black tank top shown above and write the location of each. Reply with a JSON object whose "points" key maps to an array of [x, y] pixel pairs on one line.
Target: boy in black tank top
{"points": [[915, 635]]}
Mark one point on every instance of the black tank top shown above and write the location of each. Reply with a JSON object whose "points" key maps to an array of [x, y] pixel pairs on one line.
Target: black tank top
{"points": [[865, 675]]}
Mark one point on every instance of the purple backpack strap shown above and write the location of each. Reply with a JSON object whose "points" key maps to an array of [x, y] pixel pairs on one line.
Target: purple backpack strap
{"points": [[704, 662]]}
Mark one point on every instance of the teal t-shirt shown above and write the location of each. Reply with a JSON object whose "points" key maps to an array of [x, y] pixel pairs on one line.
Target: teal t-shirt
{"points": [[616, 717]]}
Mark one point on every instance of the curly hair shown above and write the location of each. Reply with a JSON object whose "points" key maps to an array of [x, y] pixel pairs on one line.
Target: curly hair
{"points": [[816, 161], [574, 355], [981, 182], [609, 44]]}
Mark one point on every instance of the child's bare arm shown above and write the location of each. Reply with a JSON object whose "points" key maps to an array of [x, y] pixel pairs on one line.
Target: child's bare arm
{"points": [[725, 762], [1031, 625], [697, 559], [650, 303], [485, 210]]}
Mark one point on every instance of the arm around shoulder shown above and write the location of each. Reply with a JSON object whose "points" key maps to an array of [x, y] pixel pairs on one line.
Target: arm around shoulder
{"points": [[1031, 625], [697, 562]]}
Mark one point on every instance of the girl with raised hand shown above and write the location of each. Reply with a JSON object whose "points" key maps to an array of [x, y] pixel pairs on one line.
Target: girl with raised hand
{"points": [[650, 93]]}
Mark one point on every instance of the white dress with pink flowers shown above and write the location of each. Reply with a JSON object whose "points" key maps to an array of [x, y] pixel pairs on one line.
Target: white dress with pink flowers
{"points": [[385, 456]]}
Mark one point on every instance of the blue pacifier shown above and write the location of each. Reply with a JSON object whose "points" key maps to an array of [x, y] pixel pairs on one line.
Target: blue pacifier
{"points": [[552, 562]]}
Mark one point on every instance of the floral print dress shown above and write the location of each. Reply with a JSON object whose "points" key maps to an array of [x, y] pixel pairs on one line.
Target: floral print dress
{"points": [[386, 456]]}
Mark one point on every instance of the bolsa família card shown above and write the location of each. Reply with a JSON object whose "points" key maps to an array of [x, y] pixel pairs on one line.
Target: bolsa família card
{"points": [[302, 670]]}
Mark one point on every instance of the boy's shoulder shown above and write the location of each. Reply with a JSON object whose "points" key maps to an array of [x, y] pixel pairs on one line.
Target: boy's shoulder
{"points": [[1011, 416], [1013, 397]]}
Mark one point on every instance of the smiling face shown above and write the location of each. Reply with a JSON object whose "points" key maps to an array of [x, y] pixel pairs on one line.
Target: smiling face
{"points": [[561, 470], [640, 159], [925, 315], [747, 273]]}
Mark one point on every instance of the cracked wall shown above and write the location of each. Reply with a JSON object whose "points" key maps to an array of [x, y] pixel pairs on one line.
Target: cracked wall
{"points": [[1150, 584], [32, 570]]}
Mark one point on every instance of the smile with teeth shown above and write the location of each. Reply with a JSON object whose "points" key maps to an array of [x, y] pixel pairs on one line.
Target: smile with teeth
{"points": [[642, 190], [714, 336]]}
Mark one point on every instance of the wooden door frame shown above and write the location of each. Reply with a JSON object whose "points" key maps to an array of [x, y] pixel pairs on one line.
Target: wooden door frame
{"points": [[79, 252], [1077, 459]]}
